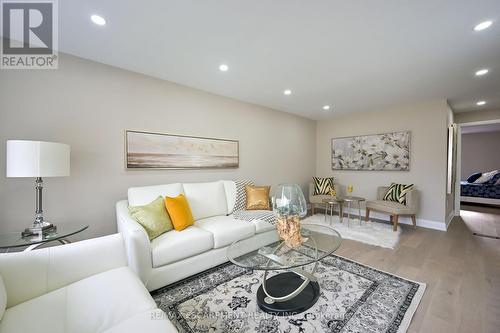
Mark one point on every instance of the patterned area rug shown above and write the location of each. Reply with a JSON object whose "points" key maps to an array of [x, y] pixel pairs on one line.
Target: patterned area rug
{"points": [[354, 298]]}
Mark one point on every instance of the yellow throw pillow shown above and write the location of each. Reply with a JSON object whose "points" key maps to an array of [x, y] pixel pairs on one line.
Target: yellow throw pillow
{"points": [[257, 197], [180, 212], [153, 217]]}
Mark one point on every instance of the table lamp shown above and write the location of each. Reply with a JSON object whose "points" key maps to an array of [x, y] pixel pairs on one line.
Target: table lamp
{"points": [[37, 159]]}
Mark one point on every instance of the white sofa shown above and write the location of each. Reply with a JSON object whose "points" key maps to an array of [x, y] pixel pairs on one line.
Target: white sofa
{"points": [[175, 255], [84, 287]]}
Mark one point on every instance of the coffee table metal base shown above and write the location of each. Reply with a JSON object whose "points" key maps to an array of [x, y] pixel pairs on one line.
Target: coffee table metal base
{"points": [[282, 285]]}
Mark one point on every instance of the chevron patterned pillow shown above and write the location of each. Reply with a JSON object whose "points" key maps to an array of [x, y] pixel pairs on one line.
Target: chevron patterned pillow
{"points": [[322, 186], [397, 193]]}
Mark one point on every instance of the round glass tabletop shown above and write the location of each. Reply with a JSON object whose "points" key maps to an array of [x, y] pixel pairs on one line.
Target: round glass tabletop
{"points": [[321, 241], [353, 199], [14, 239]]}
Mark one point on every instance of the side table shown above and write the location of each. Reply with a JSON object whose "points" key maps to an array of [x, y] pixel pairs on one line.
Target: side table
{"points": [[357, 200], [329, 205], [60, 234]]}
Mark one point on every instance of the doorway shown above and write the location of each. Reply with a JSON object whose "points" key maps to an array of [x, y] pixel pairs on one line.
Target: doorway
{"points": [[477, 147]]}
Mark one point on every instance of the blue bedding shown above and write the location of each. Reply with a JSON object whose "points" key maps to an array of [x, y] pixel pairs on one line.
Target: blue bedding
{"points": [[489, 191]]}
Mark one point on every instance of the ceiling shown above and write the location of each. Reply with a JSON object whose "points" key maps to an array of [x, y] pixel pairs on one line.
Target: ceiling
{"points": [[353, 55], [486, 128]]}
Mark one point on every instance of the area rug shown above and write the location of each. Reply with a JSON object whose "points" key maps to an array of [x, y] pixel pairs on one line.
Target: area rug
{"points": [[373, 233], [354, 298]]}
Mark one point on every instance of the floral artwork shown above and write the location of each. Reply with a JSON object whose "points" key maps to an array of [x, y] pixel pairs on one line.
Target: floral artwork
{"points": [[380, 152]]}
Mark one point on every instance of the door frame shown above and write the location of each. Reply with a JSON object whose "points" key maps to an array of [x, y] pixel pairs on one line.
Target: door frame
{"points": [[458, 168]]}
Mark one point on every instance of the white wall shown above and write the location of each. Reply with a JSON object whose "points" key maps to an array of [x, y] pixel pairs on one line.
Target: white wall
{"points": [[89, 105], [477, 115], [428, 125], [480, 153]]}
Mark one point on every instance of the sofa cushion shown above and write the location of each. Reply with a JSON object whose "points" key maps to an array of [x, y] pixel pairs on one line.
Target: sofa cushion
{"points": [[258, 197], [397, 192], [322, 186], [3, 298], [93, 304], [389, 207], [153, 217], [149, 321], [319, 199], [262, 226], [180, 212], [139, 196], [230, 188], [47, 311], [226, 229], [263, 220], [206, 199], [175, 245]]}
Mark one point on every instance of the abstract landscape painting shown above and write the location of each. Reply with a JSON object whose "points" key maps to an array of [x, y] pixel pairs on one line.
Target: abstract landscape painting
{"points": [[164, 151], [384, 152]]}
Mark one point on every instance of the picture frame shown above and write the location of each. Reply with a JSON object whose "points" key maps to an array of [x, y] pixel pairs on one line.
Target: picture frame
{"points": [[162, 151], [374, 152]]}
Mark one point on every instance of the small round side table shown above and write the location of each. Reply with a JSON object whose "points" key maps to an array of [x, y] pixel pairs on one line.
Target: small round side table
{"points": [[60, 234], [357, 200], [329, 205]]}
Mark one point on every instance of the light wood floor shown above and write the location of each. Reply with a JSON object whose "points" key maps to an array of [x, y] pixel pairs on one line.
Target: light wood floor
{"points": [[462, 271]]}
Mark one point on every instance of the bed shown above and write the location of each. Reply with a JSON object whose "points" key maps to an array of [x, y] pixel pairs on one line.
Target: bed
{"points": [[487, 193]]}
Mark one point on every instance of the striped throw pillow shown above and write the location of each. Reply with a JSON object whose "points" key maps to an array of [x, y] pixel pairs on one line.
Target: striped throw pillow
{"points": [[322, 186], [397, 193]]}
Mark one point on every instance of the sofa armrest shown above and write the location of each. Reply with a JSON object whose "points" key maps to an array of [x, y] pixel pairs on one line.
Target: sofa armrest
{"points": [[31, 274], [412, 200], [136, 242], [381, 192]]}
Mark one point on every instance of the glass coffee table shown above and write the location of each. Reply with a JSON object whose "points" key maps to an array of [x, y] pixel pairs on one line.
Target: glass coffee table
{"points": [[293, 287], [60, 233]]}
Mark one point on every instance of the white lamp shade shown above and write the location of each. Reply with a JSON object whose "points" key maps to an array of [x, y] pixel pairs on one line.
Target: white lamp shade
{"points": [[37, 159]]}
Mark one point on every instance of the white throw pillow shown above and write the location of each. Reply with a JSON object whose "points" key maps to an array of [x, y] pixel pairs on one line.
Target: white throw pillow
{"points": [[3, 298], [206, 199], [487, 176]]}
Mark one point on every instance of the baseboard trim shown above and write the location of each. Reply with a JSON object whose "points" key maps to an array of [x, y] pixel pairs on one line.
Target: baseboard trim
{"points": [[449, 218], [423, 223]]}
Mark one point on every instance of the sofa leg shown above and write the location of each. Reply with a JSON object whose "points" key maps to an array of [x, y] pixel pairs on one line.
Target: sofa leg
{"points": [[367, 215], [395, 222], [312, 209], [414, 220]]}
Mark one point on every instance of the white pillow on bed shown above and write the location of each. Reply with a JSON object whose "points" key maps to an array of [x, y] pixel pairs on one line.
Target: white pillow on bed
{"points": [[487, 176]]}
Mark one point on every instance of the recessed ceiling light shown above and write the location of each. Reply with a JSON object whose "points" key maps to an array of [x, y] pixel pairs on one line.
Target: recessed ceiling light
{"points": [[223, 68], [482, 72], [483, 25], [287, 92], [481, 103], [99, 20], [326, 107]]}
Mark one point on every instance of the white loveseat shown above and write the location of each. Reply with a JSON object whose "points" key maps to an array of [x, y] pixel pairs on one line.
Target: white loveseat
{"points": [[84, 287], [175, 255]]}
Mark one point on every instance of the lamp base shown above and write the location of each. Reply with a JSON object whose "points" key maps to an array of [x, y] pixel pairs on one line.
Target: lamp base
{"points": [[39, 228]]}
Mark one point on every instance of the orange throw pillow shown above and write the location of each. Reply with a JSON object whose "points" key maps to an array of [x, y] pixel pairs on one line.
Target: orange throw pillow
{"points": [[179, 211]]}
